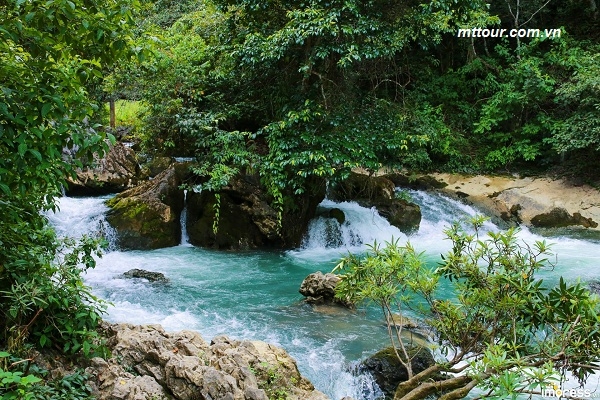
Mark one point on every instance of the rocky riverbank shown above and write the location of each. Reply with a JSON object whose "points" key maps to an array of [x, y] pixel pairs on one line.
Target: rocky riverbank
{"points": [[541, 202], [148, 363]]}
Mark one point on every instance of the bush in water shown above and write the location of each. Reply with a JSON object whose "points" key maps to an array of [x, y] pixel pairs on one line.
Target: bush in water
{"points": [[501, 329]]}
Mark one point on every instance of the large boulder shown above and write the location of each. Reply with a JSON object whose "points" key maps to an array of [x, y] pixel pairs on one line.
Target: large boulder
{"points": [[148, 361], [378, 192], [387, 370], [319, 288], [245, 218], [147, 216], [118, 170]]}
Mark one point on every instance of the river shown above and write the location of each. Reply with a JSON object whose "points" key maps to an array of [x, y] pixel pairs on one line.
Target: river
{"points": [[254, 294]]}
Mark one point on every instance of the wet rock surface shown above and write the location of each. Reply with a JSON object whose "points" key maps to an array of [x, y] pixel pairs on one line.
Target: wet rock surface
{"points": [[378, 192], [147, 216], [532, 201], [388, 371], [246, 218], [148, 275]]}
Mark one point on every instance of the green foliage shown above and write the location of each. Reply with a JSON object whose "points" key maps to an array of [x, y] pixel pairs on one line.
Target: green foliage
{"points": [[21, 384], [13, 385], [271, 381], [52, 53], [48, 301], [128, 113], [293, 91], [514, 333]]}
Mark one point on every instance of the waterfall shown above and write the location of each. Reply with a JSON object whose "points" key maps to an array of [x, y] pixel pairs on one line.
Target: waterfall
{"points": [[185, 239], [78, 216], [361, 226]]}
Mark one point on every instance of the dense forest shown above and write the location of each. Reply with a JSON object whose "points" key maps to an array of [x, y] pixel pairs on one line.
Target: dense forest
{"points": [[317, 88], [287, 90]]}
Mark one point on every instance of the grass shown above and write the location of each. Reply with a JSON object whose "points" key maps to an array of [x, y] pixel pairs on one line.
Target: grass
{"points": [[127, 113]]}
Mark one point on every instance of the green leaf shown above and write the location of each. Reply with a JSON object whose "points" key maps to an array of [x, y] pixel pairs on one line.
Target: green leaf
{"points": [[45, 109], [22, 149]]}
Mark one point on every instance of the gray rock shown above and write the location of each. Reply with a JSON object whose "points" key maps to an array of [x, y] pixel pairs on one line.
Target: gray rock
{"points": [[149, 275], [183, 366], [117, 171], [147, 216], [319, 288], [379, 192]]}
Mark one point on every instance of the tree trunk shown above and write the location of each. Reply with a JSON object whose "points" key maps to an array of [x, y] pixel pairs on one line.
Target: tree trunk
{"points": [[112, 113], [425, 389]]}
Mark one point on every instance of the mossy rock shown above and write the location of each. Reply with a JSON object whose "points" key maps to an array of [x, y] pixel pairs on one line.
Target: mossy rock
{"points": [[379, 192], [246, 219], [147, 216], [363, 188]]}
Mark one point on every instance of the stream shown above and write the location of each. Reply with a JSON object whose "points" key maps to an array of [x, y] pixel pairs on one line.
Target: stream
{"points": [[254, 294]]}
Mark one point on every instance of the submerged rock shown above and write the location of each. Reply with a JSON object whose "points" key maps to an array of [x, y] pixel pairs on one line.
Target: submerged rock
{"points": [[379, 192], [337, 214], [319, 288], [118, 170], [388, 371], [146, 361], [149, 275]]}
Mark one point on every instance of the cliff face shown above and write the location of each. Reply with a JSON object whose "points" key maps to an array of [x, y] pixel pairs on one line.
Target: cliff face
{"points": [[149, 363]]}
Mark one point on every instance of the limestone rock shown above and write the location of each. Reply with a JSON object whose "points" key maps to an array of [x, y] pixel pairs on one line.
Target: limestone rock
{"points": [[117, 171], [379, 192], [147, 216], [388, 371], [149, 275], [559, 217], [183, 366], [541, 202], [375, 189], [319, 288]]}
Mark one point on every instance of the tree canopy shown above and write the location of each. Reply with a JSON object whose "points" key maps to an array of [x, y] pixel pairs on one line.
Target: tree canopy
{"points": [[315, 88]]}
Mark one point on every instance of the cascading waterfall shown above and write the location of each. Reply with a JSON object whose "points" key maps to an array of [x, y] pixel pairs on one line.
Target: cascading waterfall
{"points": [[78, 216], [326, 236], [254, 295], [185, 239]]}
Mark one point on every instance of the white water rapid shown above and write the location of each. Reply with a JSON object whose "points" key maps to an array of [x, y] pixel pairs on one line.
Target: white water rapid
{"points": [[254, 295]]}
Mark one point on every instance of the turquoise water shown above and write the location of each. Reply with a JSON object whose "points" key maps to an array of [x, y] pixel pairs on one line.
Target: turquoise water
{"points": [[254, 295]]}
